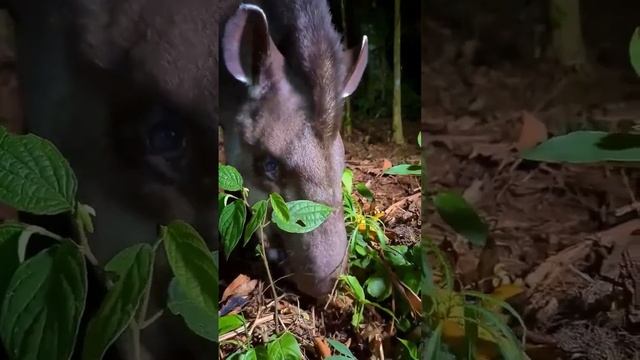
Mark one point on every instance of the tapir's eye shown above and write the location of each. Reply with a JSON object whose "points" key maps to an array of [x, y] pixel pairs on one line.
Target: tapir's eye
{"points": [[166, 137], [271, 168]]}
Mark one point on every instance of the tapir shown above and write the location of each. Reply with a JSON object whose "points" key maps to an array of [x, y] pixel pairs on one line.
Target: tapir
{"points": [[132, 92]]}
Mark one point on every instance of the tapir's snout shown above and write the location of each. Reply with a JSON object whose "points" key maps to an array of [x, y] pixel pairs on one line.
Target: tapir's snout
{"points": [[320, 257]]}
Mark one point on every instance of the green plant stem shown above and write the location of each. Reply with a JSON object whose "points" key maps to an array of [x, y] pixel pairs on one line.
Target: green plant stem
{"points": [[263, 254], [84, 242]]}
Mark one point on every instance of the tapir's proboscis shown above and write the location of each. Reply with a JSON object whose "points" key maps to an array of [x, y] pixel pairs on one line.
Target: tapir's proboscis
{"points": [[132, 93]]}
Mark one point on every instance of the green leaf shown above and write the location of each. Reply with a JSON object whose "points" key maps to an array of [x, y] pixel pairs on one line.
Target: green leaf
{"points": [[198, 319], [192, 264], [229, 179], [259, 214], [43, 305], [404, 169], [231, 224], [582, 147], [304, 216], [347, 180], [279, 206], [363, 190], [249, 354], [133, 266], [355, 287], [411, 348], [341, 348], [458, 214], [229, 323], [9, 262], [634, 50], [285, 347], [420, 139], [378, 287], [432, 352], [34, 176]]}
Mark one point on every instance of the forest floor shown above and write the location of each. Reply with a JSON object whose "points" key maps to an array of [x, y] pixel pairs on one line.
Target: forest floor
{"points": [[567, 234], [368, 153]]}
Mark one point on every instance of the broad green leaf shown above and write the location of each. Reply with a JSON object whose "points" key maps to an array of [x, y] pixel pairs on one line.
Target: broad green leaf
{"points": [[198, 319], [432, 352], [355, 287], [279, 207], [411, 348], [249, 354], [634, 50], [341, 348], [404, 169], [458, 214], [9, 262], [285, 347], [363, 190], [231, 224], [229, 179], [259, 211], [229, 323], [378, 287], [34, 176], [192, 264], [347, 180], [581, 147], [43, 305], [133, 266], [304, 216]]}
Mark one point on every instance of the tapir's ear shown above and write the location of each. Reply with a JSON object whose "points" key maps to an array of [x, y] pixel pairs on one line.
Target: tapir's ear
{"points": [[246, 45], [356, 67]]}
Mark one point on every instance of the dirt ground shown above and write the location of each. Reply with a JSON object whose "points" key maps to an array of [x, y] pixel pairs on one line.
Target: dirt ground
{"points": [[367, 153], [568, 233]]}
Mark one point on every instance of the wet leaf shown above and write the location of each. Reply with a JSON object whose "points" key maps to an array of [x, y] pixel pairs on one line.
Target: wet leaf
{"points": [[192, 264], [285, 347], [305, 216], [229, 323], [133, 267], [279, 207], [347, 180], [259, 214], [458, 214], [405, 169], [582, 147], [229, 179], [43, 305], [9, 262], [231, 224], [340, 348], [363, 190], [34, 176], [198, 319], [634, 50]]}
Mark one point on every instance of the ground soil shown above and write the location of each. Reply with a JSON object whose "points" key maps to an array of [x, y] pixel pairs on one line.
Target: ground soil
{"points": [[566, 233]]}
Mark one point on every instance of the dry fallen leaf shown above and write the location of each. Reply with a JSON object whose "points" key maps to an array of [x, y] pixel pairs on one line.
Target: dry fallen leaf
{"points": [[532, 133], [240, 286], [386, 164], [322, 347]]}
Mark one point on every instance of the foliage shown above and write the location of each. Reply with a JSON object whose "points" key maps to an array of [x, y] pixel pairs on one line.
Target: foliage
{"points": [[35, 178]]}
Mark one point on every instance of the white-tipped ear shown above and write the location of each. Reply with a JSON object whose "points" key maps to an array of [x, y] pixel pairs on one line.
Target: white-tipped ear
{"points": [[246, 42], [357, 70]]}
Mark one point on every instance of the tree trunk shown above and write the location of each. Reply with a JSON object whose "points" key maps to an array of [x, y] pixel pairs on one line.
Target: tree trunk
{"points": [[398, 136], [568, 44], [347, 110]]}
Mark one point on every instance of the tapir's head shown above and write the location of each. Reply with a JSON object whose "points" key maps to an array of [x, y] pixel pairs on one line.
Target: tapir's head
{"points": [[283, 131]]}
